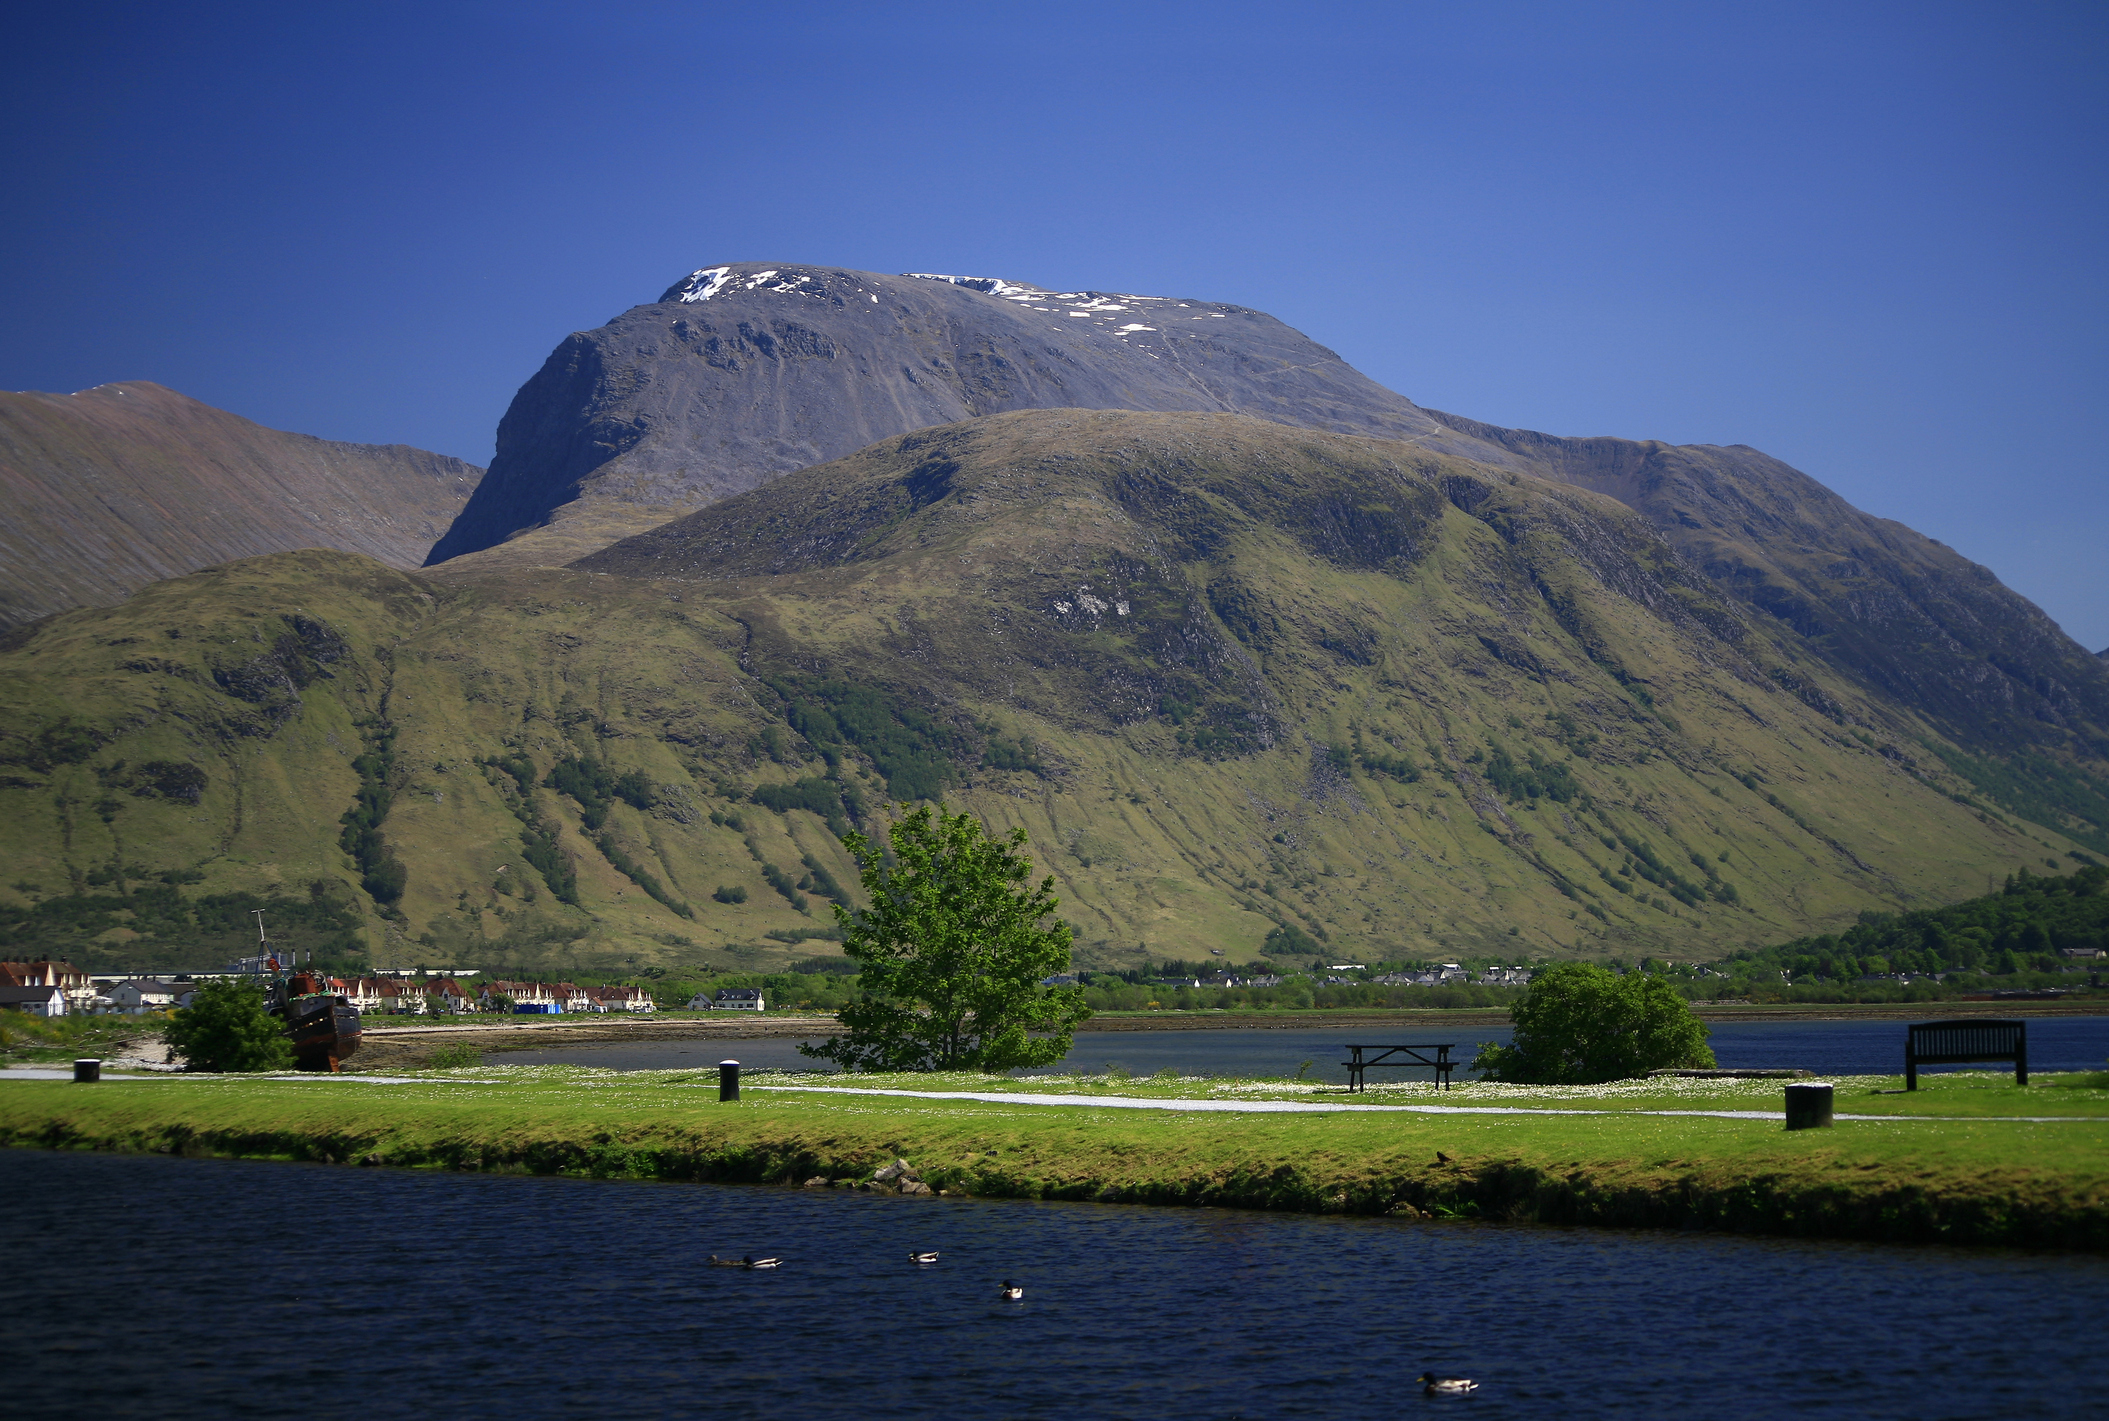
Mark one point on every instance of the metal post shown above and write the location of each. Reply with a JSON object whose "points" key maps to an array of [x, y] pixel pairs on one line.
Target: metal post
{"points": [[1809, 1106], [728, 1080], [2021, 1054], [88, 1069]]}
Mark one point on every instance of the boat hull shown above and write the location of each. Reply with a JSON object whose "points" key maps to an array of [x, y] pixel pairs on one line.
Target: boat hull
{"points": [[323, 1032]]}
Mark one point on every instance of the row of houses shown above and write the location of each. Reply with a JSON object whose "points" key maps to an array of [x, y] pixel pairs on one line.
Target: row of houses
{"points": [[45, 984], [556, 998], [56, 988]]}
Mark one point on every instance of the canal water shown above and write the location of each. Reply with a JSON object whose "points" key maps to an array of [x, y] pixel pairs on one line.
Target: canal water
{"points": [[172, 1288], [1846, 1048]]}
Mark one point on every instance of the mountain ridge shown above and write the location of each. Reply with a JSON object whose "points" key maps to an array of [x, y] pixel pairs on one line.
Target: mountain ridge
{"points": [[115, 487], [745, 371], [741, 372], [1232, 676]]}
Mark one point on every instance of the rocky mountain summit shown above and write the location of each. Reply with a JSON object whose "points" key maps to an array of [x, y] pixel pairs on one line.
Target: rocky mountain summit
{"points": [[113, 488], [743, 372]]}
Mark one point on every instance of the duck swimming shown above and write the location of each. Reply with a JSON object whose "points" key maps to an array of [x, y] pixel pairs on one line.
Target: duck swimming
{"points": [[717, 1262], [930, 1257], [750, 1261], [1433, 1385], [1011, 1291]]}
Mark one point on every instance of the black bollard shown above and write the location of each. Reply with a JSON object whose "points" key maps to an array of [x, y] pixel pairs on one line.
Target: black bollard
{"points": [[88, 1069], [728, 1080], [1809, 1106]]}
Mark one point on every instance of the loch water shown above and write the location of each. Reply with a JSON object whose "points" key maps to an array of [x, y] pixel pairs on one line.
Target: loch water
{"points": [[1844, 1048], [174, 1288]]}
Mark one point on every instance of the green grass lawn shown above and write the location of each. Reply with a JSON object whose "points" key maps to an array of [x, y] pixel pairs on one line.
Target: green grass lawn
{"points": [[1977, 1179], [1963, 1093]]}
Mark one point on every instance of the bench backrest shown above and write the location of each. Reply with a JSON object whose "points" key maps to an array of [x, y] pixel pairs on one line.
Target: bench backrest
{"points": [[1951, 1042]]}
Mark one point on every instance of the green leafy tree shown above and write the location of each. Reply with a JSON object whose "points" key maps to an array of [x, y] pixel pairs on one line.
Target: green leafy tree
{"points": [[1579, 1023], [951, 954], [225, 1028]]}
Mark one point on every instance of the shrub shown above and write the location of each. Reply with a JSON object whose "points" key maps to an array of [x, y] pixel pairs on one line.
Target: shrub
{"points": [[453, 1056], [225, 1028], [1579, 1024]]}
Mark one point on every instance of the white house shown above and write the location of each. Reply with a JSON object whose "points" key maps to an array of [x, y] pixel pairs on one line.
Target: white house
{"points": [[540, 995], [143, 994], [36, 1001], [47, 972], [621, 999], [738, 999]]}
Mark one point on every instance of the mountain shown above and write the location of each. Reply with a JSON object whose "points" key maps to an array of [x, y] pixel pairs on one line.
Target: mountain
{"points": [[1251, 647], [745, 371], [113, 488], [1235, 678], [1909, 618]]}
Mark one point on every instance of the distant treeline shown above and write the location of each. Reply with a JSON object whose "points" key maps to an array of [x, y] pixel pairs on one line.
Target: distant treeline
{"points": [[2022, 929]]}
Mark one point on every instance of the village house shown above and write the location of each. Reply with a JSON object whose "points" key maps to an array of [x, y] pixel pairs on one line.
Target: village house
{"points": [[528, 998], [36, 1001], [730, 999], [135, 995], [46, 972], [621, 999], [447, 995], [368, 994]]}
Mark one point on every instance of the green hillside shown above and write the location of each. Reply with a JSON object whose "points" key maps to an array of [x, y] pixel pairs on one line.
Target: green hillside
{"points": [[1227, 674]]}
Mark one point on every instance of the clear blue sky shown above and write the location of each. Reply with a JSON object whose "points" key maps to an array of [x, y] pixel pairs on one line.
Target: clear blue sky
{"points": [[1867, 238]]}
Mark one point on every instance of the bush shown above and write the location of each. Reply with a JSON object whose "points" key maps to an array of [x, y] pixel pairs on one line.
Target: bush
{"points": [[225, 1028], [734, 894], [453, 1056], [1579, 1024]]}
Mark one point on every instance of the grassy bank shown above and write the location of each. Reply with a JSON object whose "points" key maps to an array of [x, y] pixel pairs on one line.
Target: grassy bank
{"points": [[1973, 1179]]}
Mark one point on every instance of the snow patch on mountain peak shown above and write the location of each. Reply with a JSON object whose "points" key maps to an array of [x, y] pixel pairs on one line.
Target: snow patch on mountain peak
{"points": [[709, 281], [993, 285]]}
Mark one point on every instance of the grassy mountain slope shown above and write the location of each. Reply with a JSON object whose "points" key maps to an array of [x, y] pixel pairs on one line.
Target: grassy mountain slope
{"points": [[112, 488], [1227, 674], [1913, 622]]}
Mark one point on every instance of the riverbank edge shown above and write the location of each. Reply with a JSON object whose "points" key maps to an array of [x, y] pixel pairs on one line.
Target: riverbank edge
{"points": [[390, 1047], [1896, 1204]]}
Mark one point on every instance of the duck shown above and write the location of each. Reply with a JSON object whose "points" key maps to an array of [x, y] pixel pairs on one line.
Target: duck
{"points": [[751, 1262], [717, 1262], [1011, 1291], [930, 1257], [1433, 1385]]}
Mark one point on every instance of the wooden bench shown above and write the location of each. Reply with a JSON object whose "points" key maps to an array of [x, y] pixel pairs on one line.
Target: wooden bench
{"points": [[1406, 1057], [1969, 1041]]}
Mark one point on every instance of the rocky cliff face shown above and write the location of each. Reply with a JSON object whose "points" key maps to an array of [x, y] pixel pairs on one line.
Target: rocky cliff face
{"points": [[744, 372], [116, 487]]}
